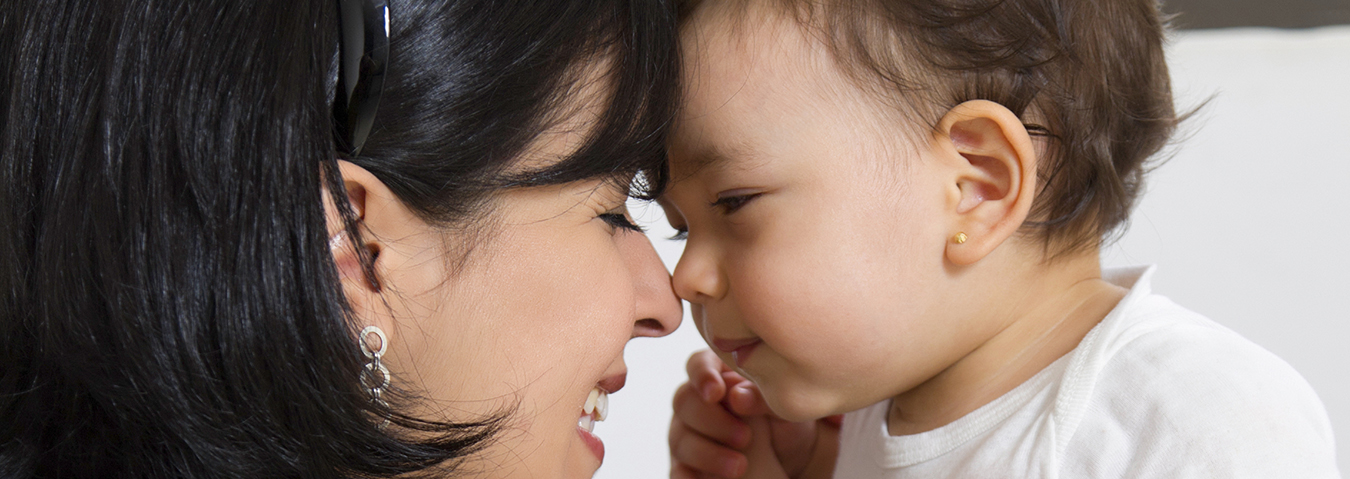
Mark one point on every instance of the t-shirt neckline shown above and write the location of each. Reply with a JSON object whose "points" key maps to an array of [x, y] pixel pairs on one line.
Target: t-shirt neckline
{"points": [[908, 450]]}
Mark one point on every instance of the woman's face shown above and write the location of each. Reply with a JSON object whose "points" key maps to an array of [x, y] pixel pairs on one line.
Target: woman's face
{"points": [[534, 320], [530, 319]]}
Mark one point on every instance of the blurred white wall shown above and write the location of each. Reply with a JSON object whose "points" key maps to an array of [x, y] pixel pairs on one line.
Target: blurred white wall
{"points": [[1249, 223]]}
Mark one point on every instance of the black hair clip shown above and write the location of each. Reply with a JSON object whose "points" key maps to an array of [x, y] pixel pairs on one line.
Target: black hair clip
{"points": [[364, 57]]}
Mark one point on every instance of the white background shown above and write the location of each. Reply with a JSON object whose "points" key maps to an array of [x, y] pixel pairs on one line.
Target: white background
{"points": [[1249, 224]]}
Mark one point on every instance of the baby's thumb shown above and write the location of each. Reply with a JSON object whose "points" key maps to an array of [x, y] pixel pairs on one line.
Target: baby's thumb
{"points": [[744, 399], [705, 375], [760, 454]]}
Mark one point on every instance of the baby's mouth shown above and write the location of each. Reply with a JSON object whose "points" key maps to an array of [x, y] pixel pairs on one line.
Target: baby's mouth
{"points": [[595, 410], [740, 349]]}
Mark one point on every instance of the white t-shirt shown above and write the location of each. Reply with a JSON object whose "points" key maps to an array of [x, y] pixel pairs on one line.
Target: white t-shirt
{"points": [[1153, 391]]}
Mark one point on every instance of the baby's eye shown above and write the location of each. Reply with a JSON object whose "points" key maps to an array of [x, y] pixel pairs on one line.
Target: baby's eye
{"points": [[620, 221], [681, 234], [729, 204]]}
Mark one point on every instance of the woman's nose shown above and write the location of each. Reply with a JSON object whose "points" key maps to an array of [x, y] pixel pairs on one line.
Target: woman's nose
{"points": [[658, 310]]}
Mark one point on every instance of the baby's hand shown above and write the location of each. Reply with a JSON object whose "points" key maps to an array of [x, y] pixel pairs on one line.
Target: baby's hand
{"points": [[722, 427]]}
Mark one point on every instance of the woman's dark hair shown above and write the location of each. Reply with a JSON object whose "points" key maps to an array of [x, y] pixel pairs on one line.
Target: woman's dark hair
{"points": [[168, 303], [1089, 76]]}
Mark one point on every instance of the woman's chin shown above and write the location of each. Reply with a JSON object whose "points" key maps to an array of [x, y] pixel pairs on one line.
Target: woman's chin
{"points": [[584, 456]]}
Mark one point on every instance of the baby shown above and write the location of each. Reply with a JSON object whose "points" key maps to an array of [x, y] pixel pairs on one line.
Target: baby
{"points": [[894, 211]]}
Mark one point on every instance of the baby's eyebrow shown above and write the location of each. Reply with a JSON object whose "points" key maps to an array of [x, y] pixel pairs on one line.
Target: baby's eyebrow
{"points": [[715, 157], [709, 157]]}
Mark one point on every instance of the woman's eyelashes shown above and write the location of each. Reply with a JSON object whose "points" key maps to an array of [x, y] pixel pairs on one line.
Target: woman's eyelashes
{"points": [[619, 220]]}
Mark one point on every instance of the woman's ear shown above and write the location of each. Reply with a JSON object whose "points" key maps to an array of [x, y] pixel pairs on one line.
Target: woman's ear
{"points": [[995, 177], [367, 197], [346, 255]]}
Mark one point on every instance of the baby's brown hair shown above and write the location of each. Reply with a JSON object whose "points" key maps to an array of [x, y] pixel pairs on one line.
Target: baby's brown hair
{"points": [[1086, 75]]}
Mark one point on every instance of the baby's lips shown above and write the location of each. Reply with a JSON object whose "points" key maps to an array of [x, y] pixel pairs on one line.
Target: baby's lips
{"points": [[729, 345]]}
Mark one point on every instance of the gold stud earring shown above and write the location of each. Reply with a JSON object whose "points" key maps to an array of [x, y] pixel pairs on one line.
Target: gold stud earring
{"points": [[960, 238]]}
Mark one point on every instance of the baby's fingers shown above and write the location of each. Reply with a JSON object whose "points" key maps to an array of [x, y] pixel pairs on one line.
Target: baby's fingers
{"points": [[744, 399], [694, 455], [762, 461], [705, 373], [708, 419], [681, 471]]}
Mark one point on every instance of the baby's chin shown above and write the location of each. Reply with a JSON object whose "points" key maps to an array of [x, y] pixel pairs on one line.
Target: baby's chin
{"points": [[797, 404]]}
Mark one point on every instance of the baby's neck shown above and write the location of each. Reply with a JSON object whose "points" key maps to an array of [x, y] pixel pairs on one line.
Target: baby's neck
{"points": [[1039, 313]]}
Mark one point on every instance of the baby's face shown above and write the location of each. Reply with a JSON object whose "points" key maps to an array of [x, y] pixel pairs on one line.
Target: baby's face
{"points": [[815, 255]]}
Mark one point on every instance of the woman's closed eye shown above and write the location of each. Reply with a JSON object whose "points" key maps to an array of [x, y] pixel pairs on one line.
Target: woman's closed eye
{"points": [[619, 220]]}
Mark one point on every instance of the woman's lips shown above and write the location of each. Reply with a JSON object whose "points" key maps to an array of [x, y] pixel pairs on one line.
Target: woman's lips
{"points": [[593, 443], [596, 409], [740, 349]]}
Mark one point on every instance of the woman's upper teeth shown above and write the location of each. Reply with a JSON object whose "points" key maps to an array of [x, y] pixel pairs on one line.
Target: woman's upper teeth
{"points": [[596, 409], [597, 402]]}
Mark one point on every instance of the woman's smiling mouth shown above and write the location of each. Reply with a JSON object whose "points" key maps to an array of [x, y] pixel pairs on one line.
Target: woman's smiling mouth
{"points": [[596, 409]]}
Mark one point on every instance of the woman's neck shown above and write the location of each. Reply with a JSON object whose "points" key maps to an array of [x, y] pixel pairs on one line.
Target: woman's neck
{"points": [[1038, 314]]}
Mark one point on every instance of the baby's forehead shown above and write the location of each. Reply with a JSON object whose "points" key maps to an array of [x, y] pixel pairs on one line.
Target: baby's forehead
{"points": [[723, 40], [758, 70]]}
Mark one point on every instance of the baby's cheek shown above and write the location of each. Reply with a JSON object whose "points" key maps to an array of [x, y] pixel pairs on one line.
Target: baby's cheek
{"points": [[771, 284]]}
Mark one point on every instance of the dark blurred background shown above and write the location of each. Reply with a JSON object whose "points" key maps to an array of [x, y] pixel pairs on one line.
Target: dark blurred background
{"points": [[1198, 14]]}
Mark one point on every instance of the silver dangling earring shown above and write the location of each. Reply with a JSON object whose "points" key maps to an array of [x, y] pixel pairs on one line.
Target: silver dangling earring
{"points": [[375, 376]]}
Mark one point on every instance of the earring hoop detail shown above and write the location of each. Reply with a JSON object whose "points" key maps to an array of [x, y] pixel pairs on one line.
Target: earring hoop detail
{"points": [[960, 238], [365, 346], [375, 376]]}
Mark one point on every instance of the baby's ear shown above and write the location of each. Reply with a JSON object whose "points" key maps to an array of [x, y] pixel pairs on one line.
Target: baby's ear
{"points": [[995, 177]]}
